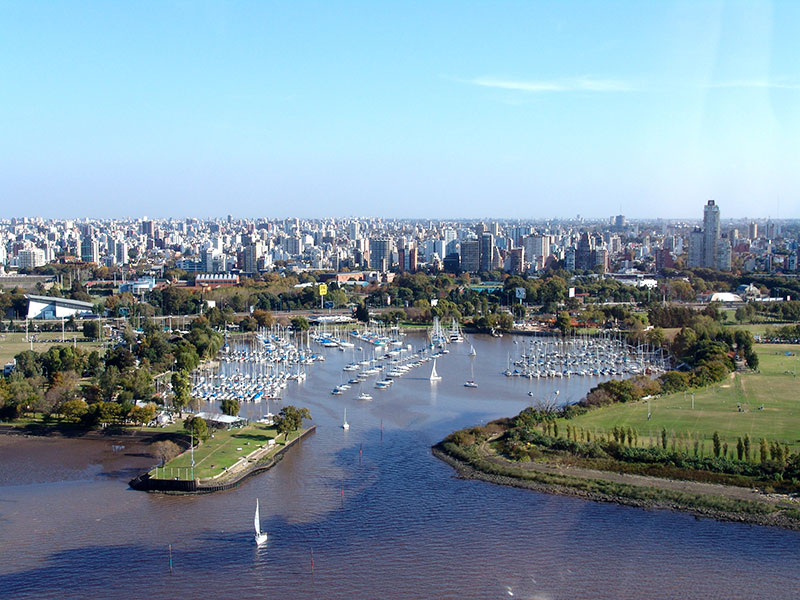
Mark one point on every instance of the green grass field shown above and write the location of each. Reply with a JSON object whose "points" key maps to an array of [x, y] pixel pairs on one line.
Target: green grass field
{"points": [[220, 452], [776, 388], [12, 344]]}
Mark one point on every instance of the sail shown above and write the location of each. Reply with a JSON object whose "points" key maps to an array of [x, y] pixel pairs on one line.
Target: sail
{"points": [[434, 374], [257, 520]]}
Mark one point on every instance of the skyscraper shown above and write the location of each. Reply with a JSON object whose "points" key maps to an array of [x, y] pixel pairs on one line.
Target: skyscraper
{"points": [[584, 256], [487, 260], [380, 254], [471, 256], [710, 234], [696, 254]]}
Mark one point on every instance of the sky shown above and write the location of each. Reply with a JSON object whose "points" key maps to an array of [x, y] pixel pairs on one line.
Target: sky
{"points": [[429, 109]]}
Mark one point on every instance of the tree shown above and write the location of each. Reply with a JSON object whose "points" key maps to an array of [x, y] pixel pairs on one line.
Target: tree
{"points": [[563, 322], [143, 414], [290, 419], [230, 407], [264, 318], [764, 450], [747, 446], [717, 446], [74, 409], [739, 449], [196, 426], [91, 330], [300, 323], [362, 313], [165, 451], [180, 391]]}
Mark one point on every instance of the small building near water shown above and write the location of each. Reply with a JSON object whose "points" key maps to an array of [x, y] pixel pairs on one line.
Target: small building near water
{"points": [[221, 421]]}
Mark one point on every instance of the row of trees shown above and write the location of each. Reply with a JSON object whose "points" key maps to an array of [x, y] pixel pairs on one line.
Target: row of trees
{"points": [[532, 434]]}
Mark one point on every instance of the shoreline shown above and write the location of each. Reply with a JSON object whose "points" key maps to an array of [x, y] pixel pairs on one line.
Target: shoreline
{"points": [[569, 486], [109, 434]]}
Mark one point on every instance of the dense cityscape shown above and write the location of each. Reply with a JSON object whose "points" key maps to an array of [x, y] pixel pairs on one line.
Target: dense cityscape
{"points": [[250, 247]]}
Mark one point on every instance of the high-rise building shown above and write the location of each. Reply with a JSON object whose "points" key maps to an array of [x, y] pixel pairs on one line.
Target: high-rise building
{"points": [[753, 231], [121, 253], [452, 263], [601, 259], [516, 263], [710, 234], [250, 256], [471, 256], [723, 257], [705, 246], [380, 254], [487, 260], [536, 245], [569, 259], [696, 254], [30, 258], [90, 250], [584, 256]]}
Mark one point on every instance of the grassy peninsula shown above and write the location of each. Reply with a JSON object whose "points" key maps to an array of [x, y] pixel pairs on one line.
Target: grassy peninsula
{"points": [[734, 455]]}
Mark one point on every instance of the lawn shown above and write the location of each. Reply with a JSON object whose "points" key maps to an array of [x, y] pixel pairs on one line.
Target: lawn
{"points": [[769, 401], [220, 452], [12, 344]]}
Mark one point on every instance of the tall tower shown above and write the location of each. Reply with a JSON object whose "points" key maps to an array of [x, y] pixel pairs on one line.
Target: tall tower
{"points": [[710, 234], [487, 252]]}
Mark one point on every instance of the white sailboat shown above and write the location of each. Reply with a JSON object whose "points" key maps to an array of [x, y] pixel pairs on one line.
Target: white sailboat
{"points": [[345, 424], [260, 538], [470, 383], [434, 375]]}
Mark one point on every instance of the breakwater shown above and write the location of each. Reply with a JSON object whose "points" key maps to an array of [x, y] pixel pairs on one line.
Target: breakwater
{"points": [[146, 483]]}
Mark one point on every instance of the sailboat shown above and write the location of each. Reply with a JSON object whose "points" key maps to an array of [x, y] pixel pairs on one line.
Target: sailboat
{"points": [[345, 424], [470, 383], [260, 538], [434, 375]]}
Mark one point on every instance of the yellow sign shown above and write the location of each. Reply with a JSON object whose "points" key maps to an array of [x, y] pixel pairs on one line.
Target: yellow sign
{"points": [[323, 289]]}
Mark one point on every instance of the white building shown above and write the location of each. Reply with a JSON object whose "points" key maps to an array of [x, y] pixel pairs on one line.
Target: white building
{"points": [[30, 258], [48, 307]]}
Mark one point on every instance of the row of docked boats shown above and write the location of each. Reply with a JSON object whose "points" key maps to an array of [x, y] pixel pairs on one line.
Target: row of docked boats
{"points": [[386, 369], [257, 368], [585, 356]]}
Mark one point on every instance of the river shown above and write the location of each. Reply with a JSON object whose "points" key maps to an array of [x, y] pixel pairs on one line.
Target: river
{"points": [[374, 513]]}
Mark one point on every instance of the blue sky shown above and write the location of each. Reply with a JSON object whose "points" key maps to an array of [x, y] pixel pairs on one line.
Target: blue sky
{"points": [[425, 109]]}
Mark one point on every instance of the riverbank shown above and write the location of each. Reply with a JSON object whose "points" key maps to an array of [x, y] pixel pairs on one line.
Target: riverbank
{"points": [[107, 434], [259, 460], [724, 504]]}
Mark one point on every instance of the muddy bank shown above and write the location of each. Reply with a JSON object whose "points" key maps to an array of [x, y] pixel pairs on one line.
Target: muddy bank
{"points": [[107, 434], [467, 470]]}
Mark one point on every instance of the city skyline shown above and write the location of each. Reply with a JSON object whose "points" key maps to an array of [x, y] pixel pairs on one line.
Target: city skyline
{"points": [[456, 110]]}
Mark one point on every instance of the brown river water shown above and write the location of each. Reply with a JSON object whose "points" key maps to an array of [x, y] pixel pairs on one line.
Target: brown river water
{"points": [[375, 512]]}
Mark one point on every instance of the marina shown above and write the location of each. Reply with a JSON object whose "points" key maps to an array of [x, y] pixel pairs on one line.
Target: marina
{"points": [[368, 499], [585, 356]]}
